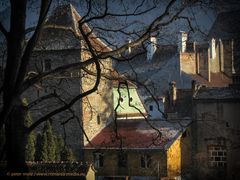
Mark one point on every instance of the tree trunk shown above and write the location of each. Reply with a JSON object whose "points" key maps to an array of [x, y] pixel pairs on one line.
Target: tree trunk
{"points": [[16, 139]]}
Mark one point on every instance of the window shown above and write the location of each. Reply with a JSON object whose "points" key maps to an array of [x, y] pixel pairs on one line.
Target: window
{"points": [[122, 159], [98, 160], [47, 65], [151, 108], [98, 119], [145, 161], [217, 156]]}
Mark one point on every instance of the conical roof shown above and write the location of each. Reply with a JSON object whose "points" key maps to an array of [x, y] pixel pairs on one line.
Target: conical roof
{"points": [[61, 31], [64, 16]]}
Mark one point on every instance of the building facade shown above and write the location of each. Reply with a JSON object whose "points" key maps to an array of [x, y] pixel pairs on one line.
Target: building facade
{"points": [[216, 131], [138, 152]]}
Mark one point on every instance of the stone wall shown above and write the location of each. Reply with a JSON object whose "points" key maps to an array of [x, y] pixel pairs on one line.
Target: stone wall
{"points": [[216, 125], [66, 85], [97, 108]]}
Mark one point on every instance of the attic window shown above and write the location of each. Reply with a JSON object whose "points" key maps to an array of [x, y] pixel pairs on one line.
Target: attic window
{"points": [[151, 108], [121, 99]]}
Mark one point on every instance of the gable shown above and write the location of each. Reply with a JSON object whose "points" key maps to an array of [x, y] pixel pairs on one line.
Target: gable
{"points": [[124, 108]]}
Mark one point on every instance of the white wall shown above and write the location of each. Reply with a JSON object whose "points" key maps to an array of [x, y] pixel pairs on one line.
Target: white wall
{"points": [[154, 114], [151, 48], [182, 41]]}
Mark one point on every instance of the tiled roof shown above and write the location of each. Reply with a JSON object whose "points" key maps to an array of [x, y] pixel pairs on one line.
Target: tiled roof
{"points": [[61, 31], [138, 134], [224, 93], [144, 68]]}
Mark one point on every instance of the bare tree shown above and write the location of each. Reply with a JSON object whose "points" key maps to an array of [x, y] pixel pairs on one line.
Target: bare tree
{"points": [[16, 81]]}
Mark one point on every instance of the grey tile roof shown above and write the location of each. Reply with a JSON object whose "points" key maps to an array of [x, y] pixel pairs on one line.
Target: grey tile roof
{"points": [[224, 93]]}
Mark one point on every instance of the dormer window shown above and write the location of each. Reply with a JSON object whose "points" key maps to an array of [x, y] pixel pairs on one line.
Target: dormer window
{"points": [[151, 108], [98, 119]]}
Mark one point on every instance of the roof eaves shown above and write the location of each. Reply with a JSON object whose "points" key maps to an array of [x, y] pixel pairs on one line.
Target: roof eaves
{"points": [[169, 144]]}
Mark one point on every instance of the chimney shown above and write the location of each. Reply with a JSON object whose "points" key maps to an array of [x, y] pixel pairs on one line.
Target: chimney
{"points": [[151, 48], [212, 48], [182, 41], [129, 48], [172, 93], [194, 46]]}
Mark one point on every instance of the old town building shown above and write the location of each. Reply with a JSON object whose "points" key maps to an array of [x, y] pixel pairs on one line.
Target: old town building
{"points": [[60, 44]]}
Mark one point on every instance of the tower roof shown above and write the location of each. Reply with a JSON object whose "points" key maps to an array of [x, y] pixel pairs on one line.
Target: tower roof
{"points": [[61, 31], [64, 16]]}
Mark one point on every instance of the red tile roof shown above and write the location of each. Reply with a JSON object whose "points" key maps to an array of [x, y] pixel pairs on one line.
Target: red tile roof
{"points": [[137, 134]]}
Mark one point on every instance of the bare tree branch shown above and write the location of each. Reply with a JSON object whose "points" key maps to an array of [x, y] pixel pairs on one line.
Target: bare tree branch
{"points": [[3, 30], [45, 5]]}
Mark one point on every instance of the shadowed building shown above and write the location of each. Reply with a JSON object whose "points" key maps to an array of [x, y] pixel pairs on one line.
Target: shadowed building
{"points": [[137, 150], [216, 133], [60, 44]]}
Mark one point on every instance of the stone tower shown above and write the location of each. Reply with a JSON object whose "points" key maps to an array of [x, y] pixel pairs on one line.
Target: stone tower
{"points": [[61, 43]]}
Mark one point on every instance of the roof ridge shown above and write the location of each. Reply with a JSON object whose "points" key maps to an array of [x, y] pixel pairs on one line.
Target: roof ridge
{"points": [[64, 15]]}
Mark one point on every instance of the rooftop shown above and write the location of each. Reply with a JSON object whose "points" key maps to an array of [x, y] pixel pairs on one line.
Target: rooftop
{"points": [[61, 31], [139, 134], [223, 93]]}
